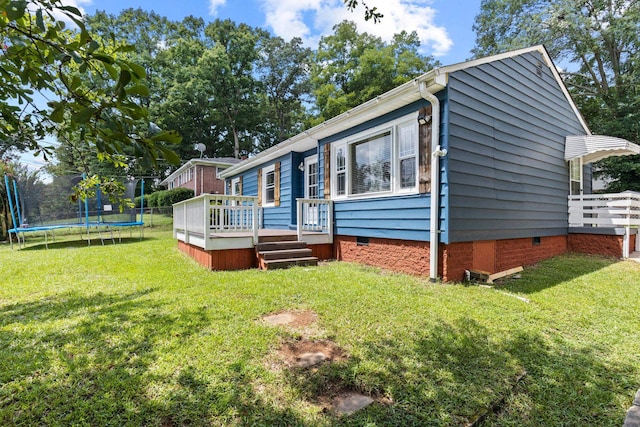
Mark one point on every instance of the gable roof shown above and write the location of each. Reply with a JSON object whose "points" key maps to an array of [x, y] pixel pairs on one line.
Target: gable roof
{"points": [[215, 161], [433, 81]]}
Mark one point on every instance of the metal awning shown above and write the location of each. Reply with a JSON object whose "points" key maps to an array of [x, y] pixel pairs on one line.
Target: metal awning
{"points": [[592, 148]]}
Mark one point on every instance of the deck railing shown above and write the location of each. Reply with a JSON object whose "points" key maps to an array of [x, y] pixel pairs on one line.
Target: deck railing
{"points": [[211, 214], [197, 220], [314, 216], [607, 210]]}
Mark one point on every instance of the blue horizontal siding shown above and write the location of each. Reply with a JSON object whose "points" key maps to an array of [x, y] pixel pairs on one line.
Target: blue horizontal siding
{"points": [[507, 177], [277, 217], [402, 217]]}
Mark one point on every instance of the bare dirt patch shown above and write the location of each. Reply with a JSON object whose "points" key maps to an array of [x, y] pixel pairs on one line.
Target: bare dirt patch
{"points": [[307, 353], [294, 319]]}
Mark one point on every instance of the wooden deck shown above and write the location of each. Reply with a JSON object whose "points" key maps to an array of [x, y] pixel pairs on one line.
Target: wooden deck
{"points": [[236, 251], [264, 235]]}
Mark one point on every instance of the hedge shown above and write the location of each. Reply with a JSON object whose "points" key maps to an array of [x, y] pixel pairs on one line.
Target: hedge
{"points": [[165, 197]]}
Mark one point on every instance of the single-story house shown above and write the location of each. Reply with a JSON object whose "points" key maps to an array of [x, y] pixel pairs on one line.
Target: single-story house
{"points": [[200, 175], [482, 165]]}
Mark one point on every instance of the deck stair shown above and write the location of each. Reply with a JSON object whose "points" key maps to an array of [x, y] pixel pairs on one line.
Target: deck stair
{"points": [[283, 252]]}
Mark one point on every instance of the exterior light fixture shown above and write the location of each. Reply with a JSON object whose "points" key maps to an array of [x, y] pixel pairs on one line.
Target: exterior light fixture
{"points": [[424, 118]]}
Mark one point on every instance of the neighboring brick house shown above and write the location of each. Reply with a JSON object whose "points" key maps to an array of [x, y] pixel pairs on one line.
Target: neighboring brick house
{"points": [[200, 175]]}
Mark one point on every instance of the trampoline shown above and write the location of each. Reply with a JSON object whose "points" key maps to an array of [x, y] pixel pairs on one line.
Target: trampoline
{"points": [[49, 209]]}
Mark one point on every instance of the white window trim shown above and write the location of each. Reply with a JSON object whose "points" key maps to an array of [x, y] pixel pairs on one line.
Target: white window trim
{"points": [[334, 170], [395, 161], [265, 171], [307, 161], [234, 181], [396, 177]]}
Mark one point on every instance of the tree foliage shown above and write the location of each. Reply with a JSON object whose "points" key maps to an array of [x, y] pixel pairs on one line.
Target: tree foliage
{"points": [[229, 86], [350, 67], [91, 89], [369, 12], [598, 41]]}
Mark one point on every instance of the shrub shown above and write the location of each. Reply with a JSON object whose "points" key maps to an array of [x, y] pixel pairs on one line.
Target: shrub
{"points": [[169, 197], [151, 201]]}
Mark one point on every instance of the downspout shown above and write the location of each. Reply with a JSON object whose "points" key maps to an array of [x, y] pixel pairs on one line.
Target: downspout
{"points": [[195, 182], [435, 180]]}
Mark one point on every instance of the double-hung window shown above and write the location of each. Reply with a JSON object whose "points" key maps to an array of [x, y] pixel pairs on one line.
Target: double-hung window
{"points": [[269, 187], [370, 164], [407, 156], [380, 161], [341, 170], [575, 174]]}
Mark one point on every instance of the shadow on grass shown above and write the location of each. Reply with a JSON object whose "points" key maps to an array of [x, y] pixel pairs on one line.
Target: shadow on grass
{"points": [[94, 360], [554, 271], [40, 245], [455, 373]]}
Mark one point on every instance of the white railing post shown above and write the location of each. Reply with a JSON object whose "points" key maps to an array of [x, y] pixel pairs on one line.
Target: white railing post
{"points": [[299, 217], [185, 227], [330, 221], [207, 221], [255, 221]]}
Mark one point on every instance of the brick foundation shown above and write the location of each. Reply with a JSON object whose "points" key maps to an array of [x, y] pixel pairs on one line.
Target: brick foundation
{"points": [[412, 257], [453, 259], [600, 244], [228, 259], [398, 255]]}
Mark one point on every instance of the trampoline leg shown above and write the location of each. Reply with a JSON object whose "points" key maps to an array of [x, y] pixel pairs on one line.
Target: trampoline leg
{"points": [[46, 240], [10, 241]]}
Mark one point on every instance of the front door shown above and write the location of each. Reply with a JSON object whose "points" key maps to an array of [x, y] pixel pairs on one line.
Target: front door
{"points": [[311, 189]]}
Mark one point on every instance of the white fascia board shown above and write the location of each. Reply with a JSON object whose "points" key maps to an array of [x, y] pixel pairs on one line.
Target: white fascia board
{"points": [[435, 79], [378, 106]]}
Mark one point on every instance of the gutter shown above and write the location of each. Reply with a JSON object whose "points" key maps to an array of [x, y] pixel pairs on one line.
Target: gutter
{"points": [[435, 181]]}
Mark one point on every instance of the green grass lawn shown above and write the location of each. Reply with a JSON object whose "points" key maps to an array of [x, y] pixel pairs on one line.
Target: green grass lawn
{"points": [[138, 334]]}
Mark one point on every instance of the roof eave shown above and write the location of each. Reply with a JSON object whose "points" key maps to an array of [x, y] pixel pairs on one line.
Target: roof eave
{"points": [[407, 93]]}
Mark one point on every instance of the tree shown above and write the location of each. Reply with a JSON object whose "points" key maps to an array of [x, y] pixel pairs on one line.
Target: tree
{"points": [[351, 68], [228, 69], [283, 69], [40, 56], [599, 43], [369, 13]]}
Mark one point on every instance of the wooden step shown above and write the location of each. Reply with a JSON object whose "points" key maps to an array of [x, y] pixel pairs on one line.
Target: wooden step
{"points": [[286, 254], [278, 238], [286, 263], [280, 246]]}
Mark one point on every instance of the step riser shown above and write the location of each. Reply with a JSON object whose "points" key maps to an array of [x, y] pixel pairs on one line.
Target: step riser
{"points": [[290, 263], [271, 239], [279, 254], [281, 246], [298, 253]]}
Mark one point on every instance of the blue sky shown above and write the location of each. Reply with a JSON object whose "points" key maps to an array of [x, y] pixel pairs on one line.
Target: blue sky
{"points": [[444, 27]]}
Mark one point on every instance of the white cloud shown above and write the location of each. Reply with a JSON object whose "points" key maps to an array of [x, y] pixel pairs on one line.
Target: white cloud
{"points": [[62, 16], [312, 19], [214, 5]]}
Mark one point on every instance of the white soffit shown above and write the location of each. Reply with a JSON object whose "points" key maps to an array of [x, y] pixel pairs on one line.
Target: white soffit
{"points": [[597, 147]]}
